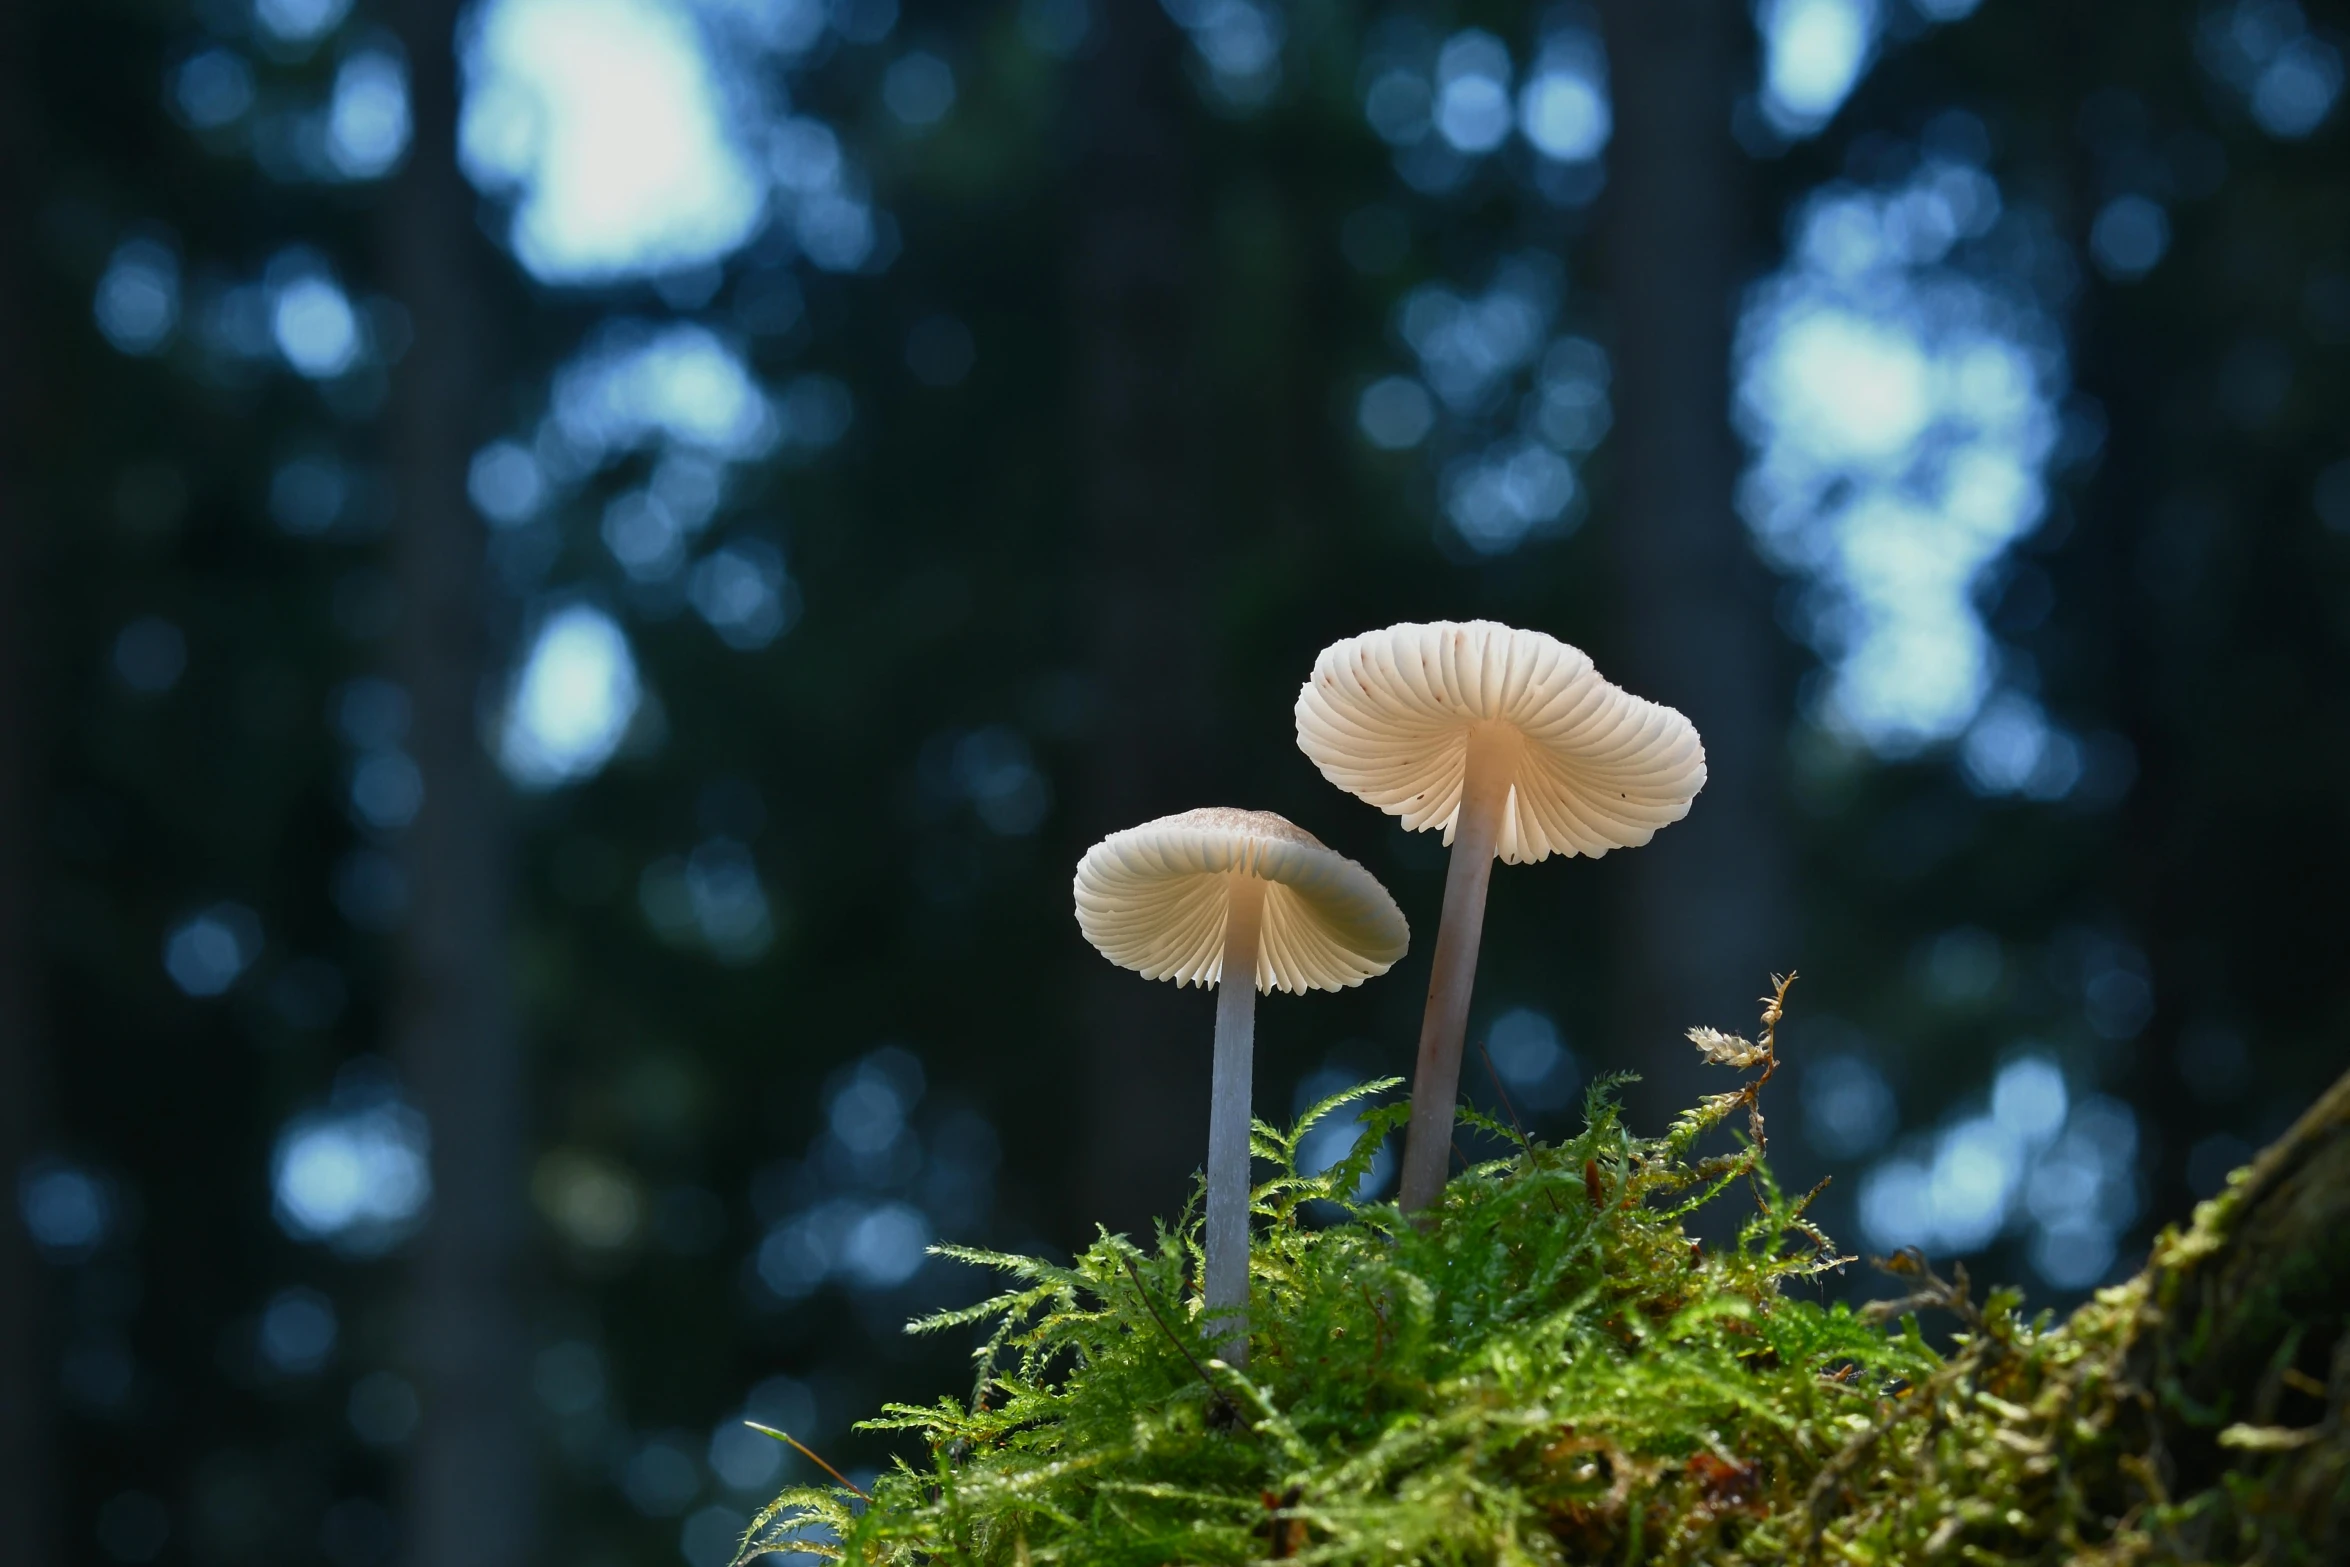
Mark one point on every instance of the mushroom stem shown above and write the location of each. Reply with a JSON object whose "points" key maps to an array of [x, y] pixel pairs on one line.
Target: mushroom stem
{"points": [[1427, 1147], [1228, 1118]]}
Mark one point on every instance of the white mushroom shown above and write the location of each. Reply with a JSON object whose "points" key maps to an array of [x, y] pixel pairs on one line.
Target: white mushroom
{"points": [[1512, 744], [1250, 902]]}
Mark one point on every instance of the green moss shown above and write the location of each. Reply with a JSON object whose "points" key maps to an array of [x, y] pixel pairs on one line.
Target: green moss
{"points": [[1550, 1371]]}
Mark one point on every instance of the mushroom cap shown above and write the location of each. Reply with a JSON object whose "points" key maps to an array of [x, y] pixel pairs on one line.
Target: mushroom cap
{"points": [[1154, 899], [1388, 716]]}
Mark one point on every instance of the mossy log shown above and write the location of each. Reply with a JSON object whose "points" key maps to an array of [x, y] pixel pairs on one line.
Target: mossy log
{"points": [[1554, 1373], [2199, 1412], [2258, 1328]]}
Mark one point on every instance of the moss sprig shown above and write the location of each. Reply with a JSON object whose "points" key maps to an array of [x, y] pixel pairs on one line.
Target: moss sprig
{"points": [[1550, 1369]]}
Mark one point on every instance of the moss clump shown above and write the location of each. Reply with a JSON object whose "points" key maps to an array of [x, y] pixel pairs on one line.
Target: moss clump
{"points": [[1554, 1371]]}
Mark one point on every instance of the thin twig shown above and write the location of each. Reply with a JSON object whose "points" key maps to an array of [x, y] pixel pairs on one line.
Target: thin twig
{"points": [[1184, 1349], [1774, 1009], [786, 1436], [1507, 1108]]}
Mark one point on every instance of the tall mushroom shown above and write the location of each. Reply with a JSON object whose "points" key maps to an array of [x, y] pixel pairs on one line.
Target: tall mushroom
{"points": [[1248, 901], [1511, 743]]}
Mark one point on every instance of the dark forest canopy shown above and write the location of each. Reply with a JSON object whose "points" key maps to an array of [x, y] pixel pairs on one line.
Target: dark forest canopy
{"points": [[575, 576]]}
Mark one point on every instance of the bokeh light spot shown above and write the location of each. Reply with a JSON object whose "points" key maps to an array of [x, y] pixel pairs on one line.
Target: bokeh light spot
{"points": [[66, 1209], [138, 299], [572, 702], [2129, 238], [300, 21], [506, 484], [1814, 52], [918, 88], [606, 119], [297, 1332], [1534, 1064], [1472, 109], [1395, 412], [206, 952], [314, 325], [1902, 413], [355, 1174], [212, 88], [367, 126], [742, 590]]}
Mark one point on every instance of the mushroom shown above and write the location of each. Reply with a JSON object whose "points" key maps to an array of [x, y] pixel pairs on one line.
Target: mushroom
{"points": [[1251, 902], [1511, 743]]}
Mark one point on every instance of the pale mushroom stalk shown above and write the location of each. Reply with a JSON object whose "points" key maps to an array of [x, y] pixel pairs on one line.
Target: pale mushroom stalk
{"points": [[1241, 901], [1436, 1079], [1510, 744], [1229, 1115]]}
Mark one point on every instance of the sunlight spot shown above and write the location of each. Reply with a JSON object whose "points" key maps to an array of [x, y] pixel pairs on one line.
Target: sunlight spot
{"points": [[1814, 52], [311, 319], [1563, 108], [205, 953], [2059, 1168], [367, 119], [1902, 414], [66, 1209], [572, 703], [2129, 237], [1473, 109], [742, 590], [634, 384], [300, 21], [1395, 413], [1534, 1064], [1239, 41], [138, 300], [212, 88], [606, 119], [355, 1173], [1848, 1106], [2289, 77], [506, 484]]}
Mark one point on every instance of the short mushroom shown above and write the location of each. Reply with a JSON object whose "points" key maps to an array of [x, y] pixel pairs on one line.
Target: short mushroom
{"points": [[1251, 902], [1511, 743]]}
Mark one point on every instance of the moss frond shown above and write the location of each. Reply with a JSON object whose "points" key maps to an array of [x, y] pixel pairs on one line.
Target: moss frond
{"points": [[1546, 1369]]}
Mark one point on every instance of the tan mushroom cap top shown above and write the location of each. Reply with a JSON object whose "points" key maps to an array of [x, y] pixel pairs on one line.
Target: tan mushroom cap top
{"points": [[1388, 716], [1154, 899]]}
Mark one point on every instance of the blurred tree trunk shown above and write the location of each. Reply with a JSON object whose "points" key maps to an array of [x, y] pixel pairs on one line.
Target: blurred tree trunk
{"points": [[1130, 276], [27, 1488], [470, 1496], [1706, 902]]}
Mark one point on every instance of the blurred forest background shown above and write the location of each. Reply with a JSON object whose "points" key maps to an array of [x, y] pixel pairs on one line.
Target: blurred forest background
{"points": [[576, 574]]}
